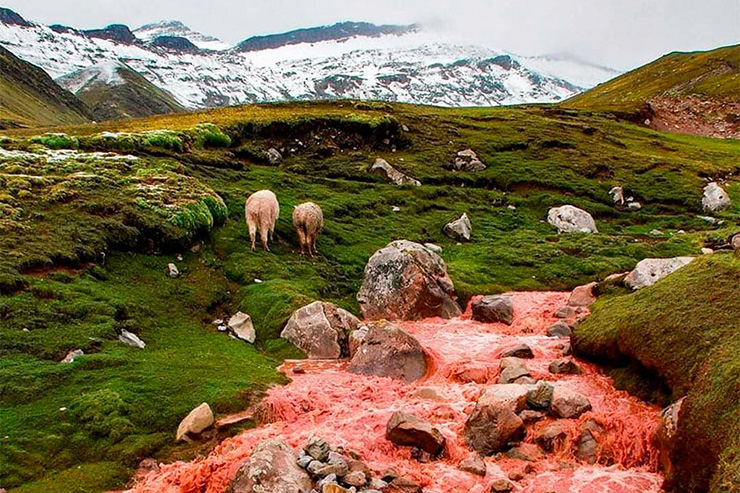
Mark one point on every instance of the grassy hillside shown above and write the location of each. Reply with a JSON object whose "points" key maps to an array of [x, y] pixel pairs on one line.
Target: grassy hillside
{"points": [[713, 74], [129, 95], [29, 97], [685, 329], [187, 185]]}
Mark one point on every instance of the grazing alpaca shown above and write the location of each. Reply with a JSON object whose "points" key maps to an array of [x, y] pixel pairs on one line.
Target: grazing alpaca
{"points": [[308, 221], [261, 211]]}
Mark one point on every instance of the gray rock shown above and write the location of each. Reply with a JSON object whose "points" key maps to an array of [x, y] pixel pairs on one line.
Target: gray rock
{"points": [[355, 478], [564, 366], [467, 160], [198, 420], [318, 449], [384, 170], [492, 309], [540, 397], [408, 430], [735, 243], [131, 339], [388, 351], [529, 416], [305, 460], [617, 195], [518, 351], [433, 248], [405, 281], [459, 229], [559, 329], [241, 325], [551, 436], [75, 353], [512, 369], [321, 330], [651, 270], [587, 446], [715, 199], [473, 464], [493, 422], [272, 468], [570, 219], [568, 403], [565, 312], [172, 271], [273, 156]]}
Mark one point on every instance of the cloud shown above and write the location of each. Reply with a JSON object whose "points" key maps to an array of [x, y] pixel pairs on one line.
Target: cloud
{"points": [[617, 33]]}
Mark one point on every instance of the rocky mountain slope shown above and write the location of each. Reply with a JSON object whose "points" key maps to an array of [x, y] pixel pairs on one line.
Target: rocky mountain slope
{"points": [[348, 60], [29, 97], [113, 91], [695, 93]]}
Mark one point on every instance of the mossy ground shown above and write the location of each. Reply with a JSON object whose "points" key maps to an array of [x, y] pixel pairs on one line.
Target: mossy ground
{"points": [[537, 157], [686, 330]]}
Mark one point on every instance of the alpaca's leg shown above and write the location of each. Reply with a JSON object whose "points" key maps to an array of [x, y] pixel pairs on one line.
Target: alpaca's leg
{"points": [[301, 238], [252, 234]]}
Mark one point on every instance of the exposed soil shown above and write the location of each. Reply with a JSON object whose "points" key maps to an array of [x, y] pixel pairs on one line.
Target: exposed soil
{"points": [[696, 116]]}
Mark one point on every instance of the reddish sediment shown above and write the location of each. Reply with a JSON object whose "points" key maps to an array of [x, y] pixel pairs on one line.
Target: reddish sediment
{"points": [[352, 411]]}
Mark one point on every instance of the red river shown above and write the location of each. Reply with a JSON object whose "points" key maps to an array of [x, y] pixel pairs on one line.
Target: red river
{"points": [[352, 411]]}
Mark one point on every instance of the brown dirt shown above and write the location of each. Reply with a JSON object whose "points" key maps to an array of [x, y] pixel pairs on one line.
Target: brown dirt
{"points": [[696, 116]]}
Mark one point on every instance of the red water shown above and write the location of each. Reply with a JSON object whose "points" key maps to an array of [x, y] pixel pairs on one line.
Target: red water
{"points": [[352, 411]]}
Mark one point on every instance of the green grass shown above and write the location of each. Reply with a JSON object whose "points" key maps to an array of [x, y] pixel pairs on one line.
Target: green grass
{"points": [[183, 190], [685, 329], [714, 74]]}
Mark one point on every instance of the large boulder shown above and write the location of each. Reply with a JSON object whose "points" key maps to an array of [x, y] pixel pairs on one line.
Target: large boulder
{"points": [[388, 351], [570, 219], [459, 229], [321, 330], [715, 199], [405, 281], [198, 420], [494, 421], [406, 429], [651, 270], [384, 170], [492, 309], [272, 468]]}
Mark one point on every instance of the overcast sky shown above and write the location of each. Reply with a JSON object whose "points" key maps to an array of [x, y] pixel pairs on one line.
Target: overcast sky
{"points": [[618, 33]]}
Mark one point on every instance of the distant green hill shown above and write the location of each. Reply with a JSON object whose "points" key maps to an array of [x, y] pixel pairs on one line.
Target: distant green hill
{"points": [[29, 97], [699, 91], [114, 91]]}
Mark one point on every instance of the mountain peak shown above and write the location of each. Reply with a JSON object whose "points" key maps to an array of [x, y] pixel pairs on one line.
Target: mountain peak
{"points": [[8, 16], [114, 32], [336, 32], [169, 29]]}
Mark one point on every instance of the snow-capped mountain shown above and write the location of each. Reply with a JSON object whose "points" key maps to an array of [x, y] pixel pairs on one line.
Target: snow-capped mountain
{"points": [[347, 60], [177, 29]]}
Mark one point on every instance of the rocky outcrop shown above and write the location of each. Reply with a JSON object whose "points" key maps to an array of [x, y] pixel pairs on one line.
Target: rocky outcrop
{"points": [[388, 351], [272, 468], [405, 281], [459, 229], [570, 219], [715, 198], [408, 430], [198, 420], [241, 326], [651, 270], [384, 170], [494, 422], [492, 309], [467, 160], [321, 330]]}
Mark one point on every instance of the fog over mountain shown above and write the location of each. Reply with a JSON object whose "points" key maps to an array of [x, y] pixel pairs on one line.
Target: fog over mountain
{"points": [[616, 33]]}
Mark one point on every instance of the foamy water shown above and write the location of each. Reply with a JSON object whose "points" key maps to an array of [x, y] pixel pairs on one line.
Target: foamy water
{"points": [[352, 411]]}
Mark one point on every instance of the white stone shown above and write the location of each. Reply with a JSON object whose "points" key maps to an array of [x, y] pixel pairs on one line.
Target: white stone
{"points": [[241, 325], [198, 420], [651, 270], [570, 219], [131, 339], [715, 199], [172, 271]]}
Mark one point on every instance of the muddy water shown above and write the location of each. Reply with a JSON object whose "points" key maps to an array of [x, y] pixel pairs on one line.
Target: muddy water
{"points": [[352, 411]]}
